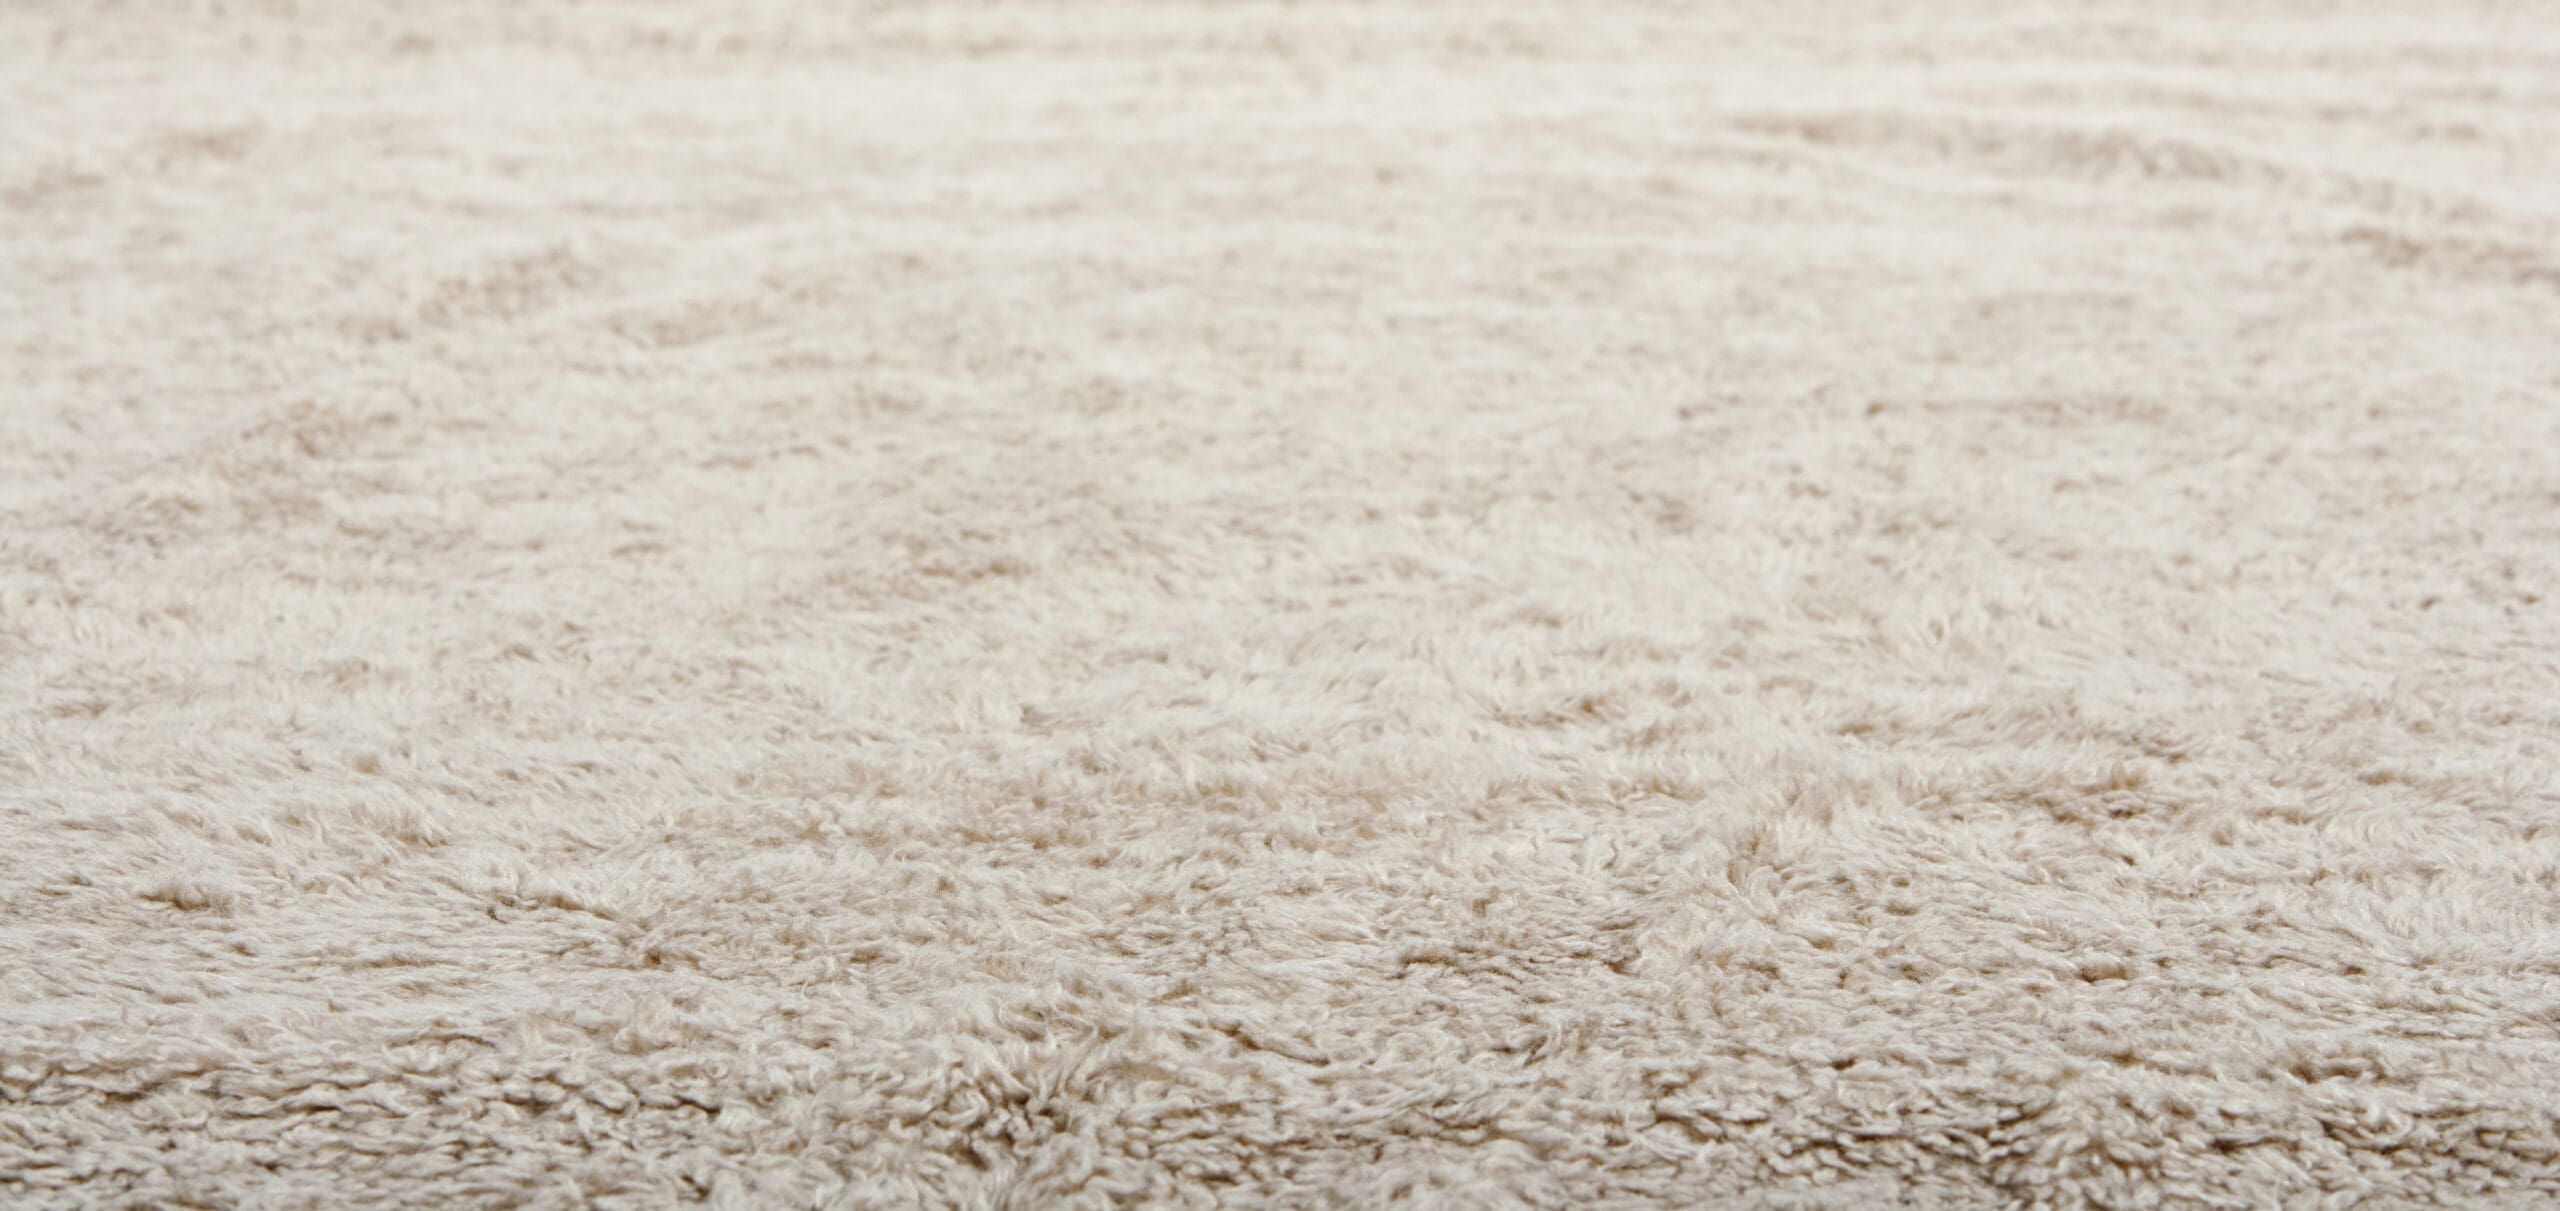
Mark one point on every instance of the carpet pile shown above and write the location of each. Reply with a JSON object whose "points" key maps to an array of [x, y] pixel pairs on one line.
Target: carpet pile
{"points": [[779, 604]]}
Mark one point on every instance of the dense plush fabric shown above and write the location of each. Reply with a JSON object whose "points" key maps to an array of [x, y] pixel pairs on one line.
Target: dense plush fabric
{"points": [[1312, 605]]}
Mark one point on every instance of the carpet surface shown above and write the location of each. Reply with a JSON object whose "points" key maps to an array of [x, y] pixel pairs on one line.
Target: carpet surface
{"points": [[1318, 605]]}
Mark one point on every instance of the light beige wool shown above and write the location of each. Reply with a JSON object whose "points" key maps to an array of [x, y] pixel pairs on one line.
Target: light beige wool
{"points": [[1320, 605]]}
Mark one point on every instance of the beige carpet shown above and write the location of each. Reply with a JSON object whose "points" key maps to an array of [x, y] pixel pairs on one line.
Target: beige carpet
{"points": [[1324, 605]]}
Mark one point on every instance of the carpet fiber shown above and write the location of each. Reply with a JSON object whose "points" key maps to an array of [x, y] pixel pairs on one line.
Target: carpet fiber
{"points": [[1322, 605]]}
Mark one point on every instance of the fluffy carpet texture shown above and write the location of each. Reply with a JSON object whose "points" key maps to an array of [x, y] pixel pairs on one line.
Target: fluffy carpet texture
{"points": [[1315, 605]]}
